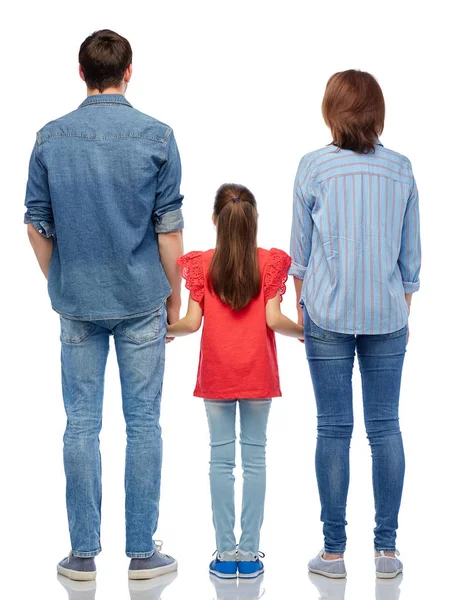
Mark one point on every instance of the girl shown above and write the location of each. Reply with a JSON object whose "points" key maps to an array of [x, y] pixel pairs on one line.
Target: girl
{"points": [[356, 262], [237, 288]]}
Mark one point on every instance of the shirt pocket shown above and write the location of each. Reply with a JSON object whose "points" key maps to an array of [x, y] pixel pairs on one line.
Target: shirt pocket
{"points": [[73, 331], [145, 329]]}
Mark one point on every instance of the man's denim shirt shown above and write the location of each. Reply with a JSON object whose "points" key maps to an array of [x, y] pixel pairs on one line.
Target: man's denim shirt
{"points": [[103, 182]]}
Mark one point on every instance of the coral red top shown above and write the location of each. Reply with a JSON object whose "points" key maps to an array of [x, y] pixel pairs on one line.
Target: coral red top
{"points": [[238, 356]]}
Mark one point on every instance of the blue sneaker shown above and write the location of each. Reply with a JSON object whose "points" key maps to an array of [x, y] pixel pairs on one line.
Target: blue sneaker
{"points": [[225, 569], [249, 569]]}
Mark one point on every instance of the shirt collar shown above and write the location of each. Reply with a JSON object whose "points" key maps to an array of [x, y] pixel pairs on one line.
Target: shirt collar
{"points": [[379, 143], [105, 99]]}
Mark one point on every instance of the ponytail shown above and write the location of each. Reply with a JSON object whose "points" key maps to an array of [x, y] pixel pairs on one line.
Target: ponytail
{"points": [[234, 274]]}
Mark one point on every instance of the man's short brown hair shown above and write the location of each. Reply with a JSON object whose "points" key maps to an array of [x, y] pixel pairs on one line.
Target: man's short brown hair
{"points": [[104, 57], [354, 109]]}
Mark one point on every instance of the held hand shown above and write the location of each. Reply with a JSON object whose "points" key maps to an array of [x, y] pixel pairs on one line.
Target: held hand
{"points": [[300, 320], [172, 317]]}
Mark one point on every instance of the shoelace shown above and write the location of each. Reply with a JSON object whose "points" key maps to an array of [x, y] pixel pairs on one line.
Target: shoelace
{"points": [[158, 544]]}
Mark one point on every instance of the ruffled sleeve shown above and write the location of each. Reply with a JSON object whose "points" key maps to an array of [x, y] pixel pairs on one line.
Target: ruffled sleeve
{"points": [[192, 271], [276, 274]]}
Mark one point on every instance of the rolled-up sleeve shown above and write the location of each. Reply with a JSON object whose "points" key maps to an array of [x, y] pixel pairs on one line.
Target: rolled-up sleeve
{"points": [[409, 260], [37, 198], [302, 224], [167, 212]]}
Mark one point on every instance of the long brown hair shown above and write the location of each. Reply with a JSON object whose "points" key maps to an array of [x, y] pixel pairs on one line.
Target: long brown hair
{"points": [[354, 109], [234, 274]]}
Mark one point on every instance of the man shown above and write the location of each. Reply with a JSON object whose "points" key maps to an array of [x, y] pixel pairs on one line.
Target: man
{"points": [[104, 219]]}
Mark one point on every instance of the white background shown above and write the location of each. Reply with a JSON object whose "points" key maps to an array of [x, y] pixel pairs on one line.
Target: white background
{"points": [[241, 83]]}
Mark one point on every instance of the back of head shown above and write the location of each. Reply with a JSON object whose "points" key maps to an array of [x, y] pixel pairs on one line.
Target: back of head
{"points": [[104, 57], [354, 109], [234, 274]]}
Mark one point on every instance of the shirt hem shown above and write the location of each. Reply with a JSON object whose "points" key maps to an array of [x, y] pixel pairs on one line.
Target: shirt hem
{"points": [[103, 318], [235, 396], [352, 331]]}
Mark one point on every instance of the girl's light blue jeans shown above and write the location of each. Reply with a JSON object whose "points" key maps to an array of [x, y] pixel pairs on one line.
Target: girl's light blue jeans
{"points": [[222, 427]]}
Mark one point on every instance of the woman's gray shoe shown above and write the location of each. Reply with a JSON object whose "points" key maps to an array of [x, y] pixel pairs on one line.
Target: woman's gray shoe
{"points": [[155, 565], [77, 569], [335, 569], [388, 567]]}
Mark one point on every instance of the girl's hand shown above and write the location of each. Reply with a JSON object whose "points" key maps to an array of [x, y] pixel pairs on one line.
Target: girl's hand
{"points": [[172, 317]]}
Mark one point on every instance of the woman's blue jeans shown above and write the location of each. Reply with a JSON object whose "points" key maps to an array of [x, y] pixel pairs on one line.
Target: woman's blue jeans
{"points": [[140, 350], [331, 358], [222, 427]]}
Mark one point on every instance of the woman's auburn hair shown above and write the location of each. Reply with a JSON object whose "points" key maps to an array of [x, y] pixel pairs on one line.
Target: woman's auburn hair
{"points": [[234, 273], [354, 109]]}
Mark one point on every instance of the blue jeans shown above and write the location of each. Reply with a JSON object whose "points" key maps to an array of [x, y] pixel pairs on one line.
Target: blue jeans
{"points": [[331, 359], [140, 349], [222, 428]]}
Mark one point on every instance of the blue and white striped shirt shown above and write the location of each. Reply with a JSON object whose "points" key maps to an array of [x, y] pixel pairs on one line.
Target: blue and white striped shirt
{"points": [[355, 239]]}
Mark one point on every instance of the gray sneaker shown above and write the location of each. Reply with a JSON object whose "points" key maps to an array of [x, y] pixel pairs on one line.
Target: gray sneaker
{"points": [[388, 567], [154, 566], [334, 569], [77, 569]]}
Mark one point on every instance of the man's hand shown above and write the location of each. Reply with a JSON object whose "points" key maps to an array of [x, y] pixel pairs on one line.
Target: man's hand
{"points": [[173, 313], [170, 249], [42, 247]]}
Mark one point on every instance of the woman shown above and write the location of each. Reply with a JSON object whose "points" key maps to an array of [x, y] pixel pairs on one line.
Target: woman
{"points": [[355, 249]]}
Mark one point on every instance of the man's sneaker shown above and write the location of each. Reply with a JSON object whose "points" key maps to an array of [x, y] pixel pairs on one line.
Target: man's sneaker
{"points": [[77, 569], [334, 569], [249, 569], [388, 567], [155, 565], [225, 569]]}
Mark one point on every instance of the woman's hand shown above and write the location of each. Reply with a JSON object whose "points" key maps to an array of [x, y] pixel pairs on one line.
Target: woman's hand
{"points": [[300, 318]]}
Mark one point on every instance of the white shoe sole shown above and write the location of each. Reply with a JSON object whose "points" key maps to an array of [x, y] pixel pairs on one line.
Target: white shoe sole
{"points": [[329, 575], [77, 575], [388, 575], [251, 575], [152, 573], [219, 575]]}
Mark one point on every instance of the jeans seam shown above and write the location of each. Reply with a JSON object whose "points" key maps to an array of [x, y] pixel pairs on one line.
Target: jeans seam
{"points": [[90, 554]]}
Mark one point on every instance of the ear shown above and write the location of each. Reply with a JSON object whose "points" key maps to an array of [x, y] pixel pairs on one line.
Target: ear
{"points": [[214, 220], [82, 76], [128, 74]]}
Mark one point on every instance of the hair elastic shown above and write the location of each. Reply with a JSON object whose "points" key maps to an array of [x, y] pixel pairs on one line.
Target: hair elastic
{"points": [[236, 200]]}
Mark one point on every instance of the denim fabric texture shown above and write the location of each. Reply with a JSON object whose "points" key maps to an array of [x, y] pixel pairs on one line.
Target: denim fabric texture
{"points": [[355, 239], [331, 359], [221, 416], [140, 349], [104, 182]]}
